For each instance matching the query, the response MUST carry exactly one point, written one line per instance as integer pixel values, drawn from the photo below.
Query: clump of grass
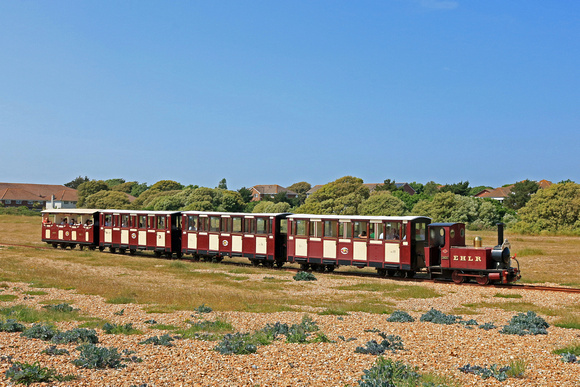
(389, 343)
(61, 308)
(516, 369)
(25, 373)
(25, 314)
(333, 312)
(573, 348)
(54, 351)
(40, 331)
(526, 324)
(304, 276)
(8, 297)
(205, 326)
(164, 340)
(400, 316)
(11, 325)
(502, 295)
(203, 309)
(121, 300)
(76, 335)
(164, 327)
(126, 329)
(437, 317)
(568, 321)
(386, 372)
(236, 344)
(92, 357)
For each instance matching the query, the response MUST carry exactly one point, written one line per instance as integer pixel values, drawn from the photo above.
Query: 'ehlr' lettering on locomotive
(468, 258)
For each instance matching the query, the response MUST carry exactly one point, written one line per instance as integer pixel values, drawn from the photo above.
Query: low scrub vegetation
(526, 324)
(25, 373)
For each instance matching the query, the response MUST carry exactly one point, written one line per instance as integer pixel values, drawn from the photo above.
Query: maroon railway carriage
(71, 227)
(447, 256)
(258, 237)
(391, 244)
(132, 230)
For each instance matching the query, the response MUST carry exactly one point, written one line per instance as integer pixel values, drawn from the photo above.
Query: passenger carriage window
(226, 224)
(115, 220)
(404, 232)
(330, 228)
(214, 223)
(262, 226)
(315, 228)
(250, 226)
(161, 222)
(203, 223)
(360, 229)
(108, 220)
(125, 221)
(237, 224)
(178, 222)
(391, 231)
(345, 230)
(192, 223)
(420, 231)
(142, 221)
(376, 230)
(300, 227)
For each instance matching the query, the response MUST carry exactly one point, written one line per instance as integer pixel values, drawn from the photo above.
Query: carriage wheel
(279, 264)
(320, 268)
(101, 248)
(131, 252)
(391, 273)
(63, 246)
(382, 272)
(113, 250)
(483, 280)
(255, 262)
(410, 274)
(72, 247)
(92, 248)
(269, 264)
(158, 254)
(457, 278)
(330, 268)
(81, 247)
(122, 251)
(304, 266)
(54, 245)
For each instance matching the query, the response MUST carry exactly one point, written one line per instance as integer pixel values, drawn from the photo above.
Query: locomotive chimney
(500, 233)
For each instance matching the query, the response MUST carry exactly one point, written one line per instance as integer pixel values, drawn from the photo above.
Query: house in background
(501, 193)
(261, 191)
(37, 196)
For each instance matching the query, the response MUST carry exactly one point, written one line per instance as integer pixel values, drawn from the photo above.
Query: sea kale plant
(389, 343)
(526, 324)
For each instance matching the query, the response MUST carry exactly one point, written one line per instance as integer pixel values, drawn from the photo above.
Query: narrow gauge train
(393, 245)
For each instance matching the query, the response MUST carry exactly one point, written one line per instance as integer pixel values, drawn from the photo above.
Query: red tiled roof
(37, 192)
(272, 189)
(501, 192)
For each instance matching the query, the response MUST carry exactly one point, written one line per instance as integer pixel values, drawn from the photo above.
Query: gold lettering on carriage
(468, 258)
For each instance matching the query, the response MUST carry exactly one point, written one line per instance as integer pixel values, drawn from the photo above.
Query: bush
(493, 371)
(25, 373)
(93, 357)
(115, 329)
(236, 344)
(64, 308)
(11, 325)
(164, 340)
(390, 342)
(76, 335)
(387, 373)
(438, 317)
(54, 351)
(400, 316)
(526, 324)
(304, 276)
(203, 309)
(39, 331)
(569, 358)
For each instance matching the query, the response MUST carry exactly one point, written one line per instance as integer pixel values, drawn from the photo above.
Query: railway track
(418, 278)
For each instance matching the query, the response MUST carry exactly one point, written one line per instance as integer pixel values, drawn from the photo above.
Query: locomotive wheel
(457, 278)
(483, 280)
(304, 266)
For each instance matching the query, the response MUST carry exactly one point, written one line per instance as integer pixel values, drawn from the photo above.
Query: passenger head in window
(363, 235)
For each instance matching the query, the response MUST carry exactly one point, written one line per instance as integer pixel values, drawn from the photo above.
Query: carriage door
(344, 241)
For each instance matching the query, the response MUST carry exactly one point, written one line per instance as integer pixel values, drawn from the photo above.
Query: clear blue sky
(276, 92)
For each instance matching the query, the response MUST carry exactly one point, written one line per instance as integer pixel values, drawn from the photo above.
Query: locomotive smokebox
(500, 233)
